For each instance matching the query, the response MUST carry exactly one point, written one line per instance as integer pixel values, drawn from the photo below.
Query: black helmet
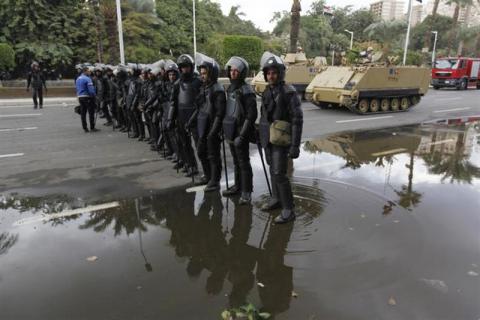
(185, 60)
(171, 66)
(268, 61)
(210, 64)
(238, 63)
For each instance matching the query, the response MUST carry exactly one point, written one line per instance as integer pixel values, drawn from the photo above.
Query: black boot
(272, 204)
(286, 216)
(246, 198)
(203, 180)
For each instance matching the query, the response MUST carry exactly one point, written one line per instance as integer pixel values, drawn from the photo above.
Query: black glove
(294, 152)
(238, 141)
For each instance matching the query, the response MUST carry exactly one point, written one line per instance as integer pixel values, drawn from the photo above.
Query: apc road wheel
(374, 105)
(385, 105)
(395, 104)
(363, 106)
(415, 100)
(404, 103)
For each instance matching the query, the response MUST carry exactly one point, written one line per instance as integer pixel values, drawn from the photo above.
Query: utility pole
(120, 32)
(407, 39)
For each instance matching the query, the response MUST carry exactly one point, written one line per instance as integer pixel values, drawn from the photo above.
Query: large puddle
(388, 228)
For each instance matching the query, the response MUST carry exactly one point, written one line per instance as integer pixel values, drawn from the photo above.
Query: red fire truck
(461, 73)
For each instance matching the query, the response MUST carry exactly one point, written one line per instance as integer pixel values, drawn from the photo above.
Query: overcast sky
(261, 11)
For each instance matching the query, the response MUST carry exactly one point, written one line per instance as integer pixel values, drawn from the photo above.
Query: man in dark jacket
(280, 107)
(185, 91)
(239, 127)
(209, 116)
(36, 80)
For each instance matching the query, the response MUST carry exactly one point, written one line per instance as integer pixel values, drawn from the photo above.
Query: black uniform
(36, 80)
(111, 102)
(132, 102)
(238, 128)
(153, 107)
(169, 134)
(102, 88)
(185, 91)
(280, 102)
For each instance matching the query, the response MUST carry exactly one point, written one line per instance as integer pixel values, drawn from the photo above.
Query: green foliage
(7, 57)
(140, 54)
(387, 33)
(248, 47)
(248, 311)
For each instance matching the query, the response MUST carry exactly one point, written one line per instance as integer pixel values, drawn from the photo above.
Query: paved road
(46, 151)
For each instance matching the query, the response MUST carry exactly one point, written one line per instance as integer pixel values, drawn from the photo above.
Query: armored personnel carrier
(300, 72)
(369, 88)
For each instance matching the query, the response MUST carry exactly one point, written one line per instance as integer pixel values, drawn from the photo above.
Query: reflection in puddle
(381, 214)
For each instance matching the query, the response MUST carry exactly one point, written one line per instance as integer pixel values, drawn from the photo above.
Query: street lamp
(407, 38)
(351, 38)
(120, 32)
(434, 46)
(194, 31)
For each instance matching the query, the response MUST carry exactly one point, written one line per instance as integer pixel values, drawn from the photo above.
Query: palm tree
(295, 25)
(7, 241)
(456, 14)
(385, 32)
(108, 9)
(408, 197)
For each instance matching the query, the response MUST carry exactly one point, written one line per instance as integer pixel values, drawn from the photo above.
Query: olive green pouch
(281, 133)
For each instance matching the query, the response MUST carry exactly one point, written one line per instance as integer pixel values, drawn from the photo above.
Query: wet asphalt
(94, 227)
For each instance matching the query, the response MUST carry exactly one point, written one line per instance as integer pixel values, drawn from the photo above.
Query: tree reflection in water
(7, 241)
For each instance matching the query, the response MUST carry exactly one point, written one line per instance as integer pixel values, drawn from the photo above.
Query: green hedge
(248, 47)
(7, 57)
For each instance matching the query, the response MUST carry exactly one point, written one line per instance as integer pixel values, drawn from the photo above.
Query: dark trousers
(277, 159)
(243, 168)
(105, 106)
(186, 152)
(87, 105)
(208, 151)
(37, 92)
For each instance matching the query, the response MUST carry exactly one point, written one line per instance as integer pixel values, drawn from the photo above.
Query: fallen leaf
(261, 285)
(363, 216)
(392, 301)
(436, 284)
(294, 294)
(92, 258)
(139, 287)
(396, 221)
(473, 273)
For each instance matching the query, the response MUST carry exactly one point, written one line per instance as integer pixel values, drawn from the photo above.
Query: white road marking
(387, 152)
(20, 115)
(30, 107)
(11, 155)
(449, 99)
(451, 110)
(364, 119)
(18, 129)
(67, 213)
(438, 142)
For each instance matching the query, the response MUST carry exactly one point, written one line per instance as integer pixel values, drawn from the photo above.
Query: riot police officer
(152, 105)
(172, 75)
(183, 98)
(280, 113)
(132, 100)
(209, 116)
(101, 86)
(238, 126)
(36, 80)
(111, 102)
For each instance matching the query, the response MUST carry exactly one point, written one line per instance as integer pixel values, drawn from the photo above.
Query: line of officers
(186, 113)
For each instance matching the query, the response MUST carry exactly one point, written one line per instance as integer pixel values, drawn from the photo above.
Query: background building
(468, 14)
(388, 9)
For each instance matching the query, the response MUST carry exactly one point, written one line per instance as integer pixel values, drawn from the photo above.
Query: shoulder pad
(289, 89)
(247, 89)
(217, 87)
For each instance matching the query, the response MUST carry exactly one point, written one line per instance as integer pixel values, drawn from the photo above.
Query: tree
(295, 25)
(386, 32)
(7, 57)
(454, 33)
(108, 9)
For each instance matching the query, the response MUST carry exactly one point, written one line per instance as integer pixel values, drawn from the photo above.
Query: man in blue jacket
(86, 97)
